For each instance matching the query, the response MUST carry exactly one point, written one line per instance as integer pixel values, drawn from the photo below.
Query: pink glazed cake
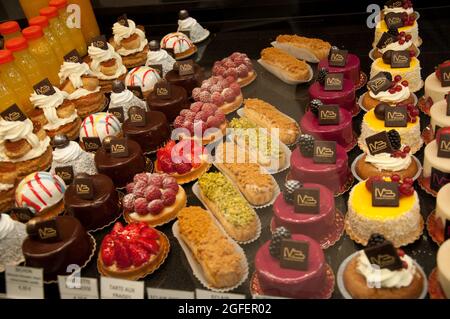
(345, 98)
(351, 69)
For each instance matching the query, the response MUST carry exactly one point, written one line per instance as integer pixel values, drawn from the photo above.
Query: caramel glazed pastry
(25, 145)
(83, 88)
(130, 42)
(308, 49)
(56, 114)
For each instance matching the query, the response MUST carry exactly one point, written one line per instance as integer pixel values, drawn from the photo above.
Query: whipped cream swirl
(74, 72)
(196, 31)
(160, 57)
(385, 162)
(126, 99)
(16, 130)
(122, 32)
(99, 55)
(386, 96)
(6, 226)
(68, 153)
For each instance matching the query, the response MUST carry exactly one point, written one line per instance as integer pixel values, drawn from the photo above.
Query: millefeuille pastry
(230, 208)
(189, 25)
(222, 264)
(180, 45)
(267, 116)
(129, 41)
(257, 186)
(285, 66)
(308, 49)
(8, 176)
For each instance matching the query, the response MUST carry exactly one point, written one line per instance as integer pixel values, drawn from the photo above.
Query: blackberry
(323, 72)
(395, 139)
(393, 31)
(314, 106)
(277, 237)
(290, 186)
(388, 76)
(375, 240)
(306, 145)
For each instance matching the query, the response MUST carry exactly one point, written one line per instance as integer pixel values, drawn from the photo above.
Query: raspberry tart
(185, 160)
(132, 252)
(237, 65)
(223, 92)
(154, 199)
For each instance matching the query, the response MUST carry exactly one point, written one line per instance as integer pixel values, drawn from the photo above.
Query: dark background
(249, 26)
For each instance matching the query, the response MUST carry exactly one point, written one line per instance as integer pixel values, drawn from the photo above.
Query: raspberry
(205, 97)
(128, 202)
(217, 63)
(230, 72)
(140, 206)
(235, 55)
(228, 95)
(190, 115)
(183, 112)
(129, 187)
(214, 79)
(182, 168)
(156, 180)
(206, 85)
(239, 60)
(155, 207)
(242, 71)
(220, 70)
(138, 189)
(196, 106)
(220, 116)
(201, 116)
(217, 98)
(213, 121)
(178, 121)
(140, 177)
(230, 79)
(209, 108)
(200, 126)
(170, 183)
(152, 192)
(248, 64)
(169, 197)
(165, 164)
(236, 88)
(216, 88)
(196, 93)
(229, 64)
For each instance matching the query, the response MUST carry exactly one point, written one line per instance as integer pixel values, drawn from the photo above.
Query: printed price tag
(206, 294)
(267, 297)
(24, 282)
(121, 289)
(74, 287)
(157, 293)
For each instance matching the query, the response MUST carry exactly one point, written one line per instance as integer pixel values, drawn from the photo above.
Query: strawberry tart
(237, 65)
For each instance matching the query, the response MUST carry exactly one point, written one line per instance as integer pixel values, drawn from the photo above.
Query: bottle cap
(9, 27)
(49, 12)
(6, 56)
(16, 44)
(33, 32)
(58, 4)
(39, 20)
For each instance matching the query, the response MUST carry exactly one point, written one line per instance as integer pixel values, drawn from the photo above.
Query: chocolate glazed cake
(170, 106)
(189, 82)
(102, 209)
(152, 135)
(120, 169)
(72, 247)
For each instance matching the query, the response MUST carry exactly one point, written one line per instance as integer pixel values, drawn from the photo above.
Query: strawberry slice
(149, 233)
(149, 245)
(139, 255)
(117, 229)
(108, 251)
(122, 256)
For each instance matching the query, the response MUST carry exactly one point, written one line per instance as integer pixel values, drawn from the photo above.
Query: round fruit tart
(237, 65)
(132, 252)
(223, 92)
(154, 199)
(185, 160)
(203, 122)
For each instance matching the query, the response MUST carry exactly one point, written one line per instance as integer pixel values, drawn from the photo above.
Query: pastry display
(154, 199)
(374, 122)
(70, 154)
(55, 112)
(8, 178)
(56, 244)
(25, 145)
(262, 147)
(143, 77)
(191, 27)
(150, 132)
(222, 264)
(267, 116)
(186, 160)
(303, 219)
(439, 117)
(443, 274)
(159, 57)
(385, 89)
(122, 98)
(435, 91)
(442, 213)
(188, 75)
(98, 126)
(309, 49)
(120, 159)
(202, 122)
(335, 176)
(223, 92)
(285, 66)
(276, 279)
(132, 252)
(392, 40)
(179, 45)
(343, 94)
(402, 224)
(12, 235)
(237, 65)
(129, 41)
(95, 211)
(169, 100)
(329, 124)
(42, 193)
(366, 278)
(83, 87)
(340, 61)
(233, 212)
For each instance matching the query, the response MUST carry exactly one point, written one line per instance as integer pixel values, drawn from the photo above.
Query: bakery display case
(294, 149)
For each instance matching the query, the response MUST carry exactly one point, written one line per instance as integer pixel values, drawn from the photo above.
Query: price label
(206, 294)
(112, 288)
(157, 293)
(267, 297)
(74, 287)
(24, 282)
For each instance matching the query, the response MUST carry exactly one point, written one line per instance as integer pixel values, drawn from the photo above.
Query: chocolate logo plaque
(329, 114)
(334, 82)
(13, 113)
(91, 144)
(45, 231)
(324, 152)
(385, 40)
(118, 113)
(137, 116)
(445, 75)
(119, 147)
(379, 143)
(84, 187)
(385, 194)
(158, 68)
(44, 88)
(338, 57)
(396, 117)
(136, 90)
(393, 20)
(123, 20)
(307, 200)
(394, 3)
(384, 256)
(185, 67)
(379, 83)
(400, 59)
(444, 146)
(73, 57)
(100, 42)
(163, 90)
(294, 254)
(66, 173)
(438, 179)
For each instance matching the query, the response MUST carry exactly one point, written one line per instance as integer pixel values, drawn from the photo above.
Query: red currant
(392, 91)
(395, 178)
(408, 181)
(407, 149)
(398, 88)
(400, 253)
(412, 54)
(397, 78)
(408, 37)
(401, 41)
(405, 83)
(402, 34)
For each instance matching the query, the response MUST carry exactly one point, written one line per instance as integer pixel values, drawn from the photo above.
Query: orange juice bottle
(75, 33)
(31, 7)
(49, 35)
(89, 25)
(11, 75)
(41, 50)
(25, 61)
(7, 97)
(9, 30)
(58, 28)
